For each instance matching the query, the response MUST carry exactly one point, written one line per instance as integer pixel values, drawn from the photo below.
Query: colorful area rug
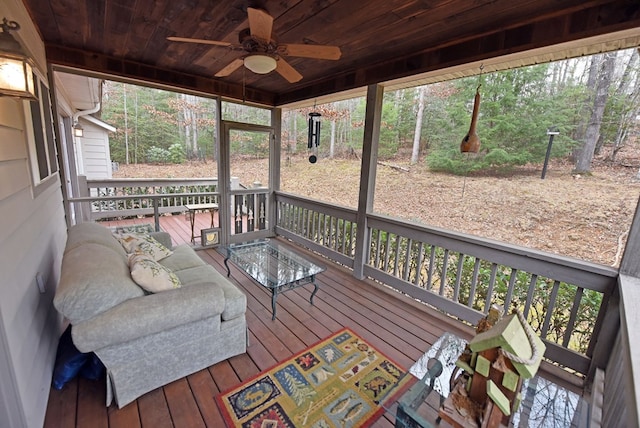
(339, 382)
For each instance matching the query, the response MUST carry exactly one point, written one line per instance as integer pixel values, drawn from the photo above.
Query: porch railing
(127, 198)
(464, 275)
(130, 197)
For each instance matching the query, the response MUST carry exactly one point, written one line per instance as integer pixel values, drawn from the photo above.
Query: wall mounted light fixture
(16, 68)
(78, 131)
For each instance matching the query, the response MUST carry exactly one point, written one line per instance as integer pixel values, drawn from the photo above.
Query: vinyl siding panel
(32, 238)
(95, 152)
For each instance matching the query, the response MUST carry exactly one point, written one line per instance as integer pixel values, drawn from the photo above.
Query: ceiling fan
(263, 53)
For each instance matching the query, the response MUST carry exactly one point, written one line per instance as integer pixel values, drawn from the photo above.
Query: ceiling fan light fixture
(260, 64)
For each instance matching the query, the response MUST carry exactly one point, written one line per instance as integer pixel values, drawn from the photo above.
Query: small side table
(543, 401)
(193, 208)
(434, 370)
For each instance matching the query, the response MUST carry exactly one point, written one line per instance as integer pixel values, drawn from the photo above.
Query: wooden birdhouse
(494, 365)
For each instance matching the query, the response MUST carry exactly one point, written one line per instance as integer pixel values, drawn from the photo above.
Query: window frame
(41, 138)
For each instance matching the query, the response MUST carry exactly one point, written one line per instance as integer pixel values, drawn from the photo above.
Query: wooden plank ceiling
(380, 40)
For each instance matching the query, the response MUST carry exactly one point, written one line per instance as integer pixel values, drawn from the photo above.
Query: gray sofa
(146, 340)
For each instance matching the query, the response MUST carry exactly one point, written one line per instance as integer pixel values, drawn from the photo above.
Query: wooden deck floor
(397, 326)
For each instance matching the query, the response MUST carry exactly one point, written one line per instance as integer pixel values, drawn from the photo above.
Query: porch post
(367, 175)
(224, 185)
(58, 144)
(630, 264)
(274, 168)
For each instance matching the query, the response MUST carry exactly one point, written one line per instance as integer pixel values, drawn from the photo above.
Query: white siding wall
(32, 237)
(96, 156)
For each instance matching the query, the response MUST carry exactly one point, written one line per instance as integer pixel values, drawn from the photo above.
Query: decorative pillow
(151, 275)
(142, 243)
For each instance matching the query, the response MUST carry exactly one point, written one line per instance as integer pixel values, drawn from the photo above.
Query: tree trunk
(135, 130)
(126, 128)
(585, 109)
(418, 130)
(583, 161)
(630, 112)
(332, 144)
(294, 139)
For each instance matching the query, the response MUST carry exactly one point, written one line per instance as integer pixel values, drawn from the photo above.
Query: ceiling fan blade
(285, 70)
(230, 68)
(202, 41)
(311, 51)
(260, 23)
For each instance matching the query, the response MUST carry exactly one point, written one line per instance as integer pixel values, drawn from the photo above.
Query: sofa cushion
(151, 275)
(149, 315)
(235, 302)
(143, 243)
(183, 257)
(93, 279)
(93, 233)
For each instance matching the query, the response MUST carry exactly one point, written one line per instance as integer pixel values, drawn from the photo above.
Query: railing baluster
(432, 262)
(492, 282)
(550, 308)
(474, 283)
(456, 289)
(419, 261)
(407, 258)
(332, 241)
(378, 239)
(300, 218)
(512, 284)
(291, 218)
(396, 259)
(387, 252)
(572, 319)
(532, 287)
(314, 221)
(285, 215)
(443, 276)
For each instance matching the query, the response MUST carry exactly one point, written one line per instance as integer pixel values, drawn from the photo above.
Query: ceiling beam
(573, 25)
(129, 70)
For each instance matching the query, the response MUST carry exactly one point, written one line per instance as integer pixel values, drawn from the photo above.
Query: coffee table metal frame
(273, 266)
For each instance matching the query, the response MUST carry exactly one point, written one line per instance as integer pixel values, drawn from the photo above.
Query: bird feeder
(471, 142)
(488, 392)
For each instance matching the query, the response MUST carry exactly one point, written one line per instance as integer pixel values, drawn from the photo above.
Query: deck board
(396, 325)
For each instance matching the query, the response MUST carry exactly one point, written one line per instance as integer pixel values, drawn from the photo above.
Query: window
(41, 138)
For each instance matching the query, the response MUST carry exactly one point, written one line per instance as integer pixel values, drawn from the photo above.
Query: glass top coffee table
(544, 403)
(273, 266)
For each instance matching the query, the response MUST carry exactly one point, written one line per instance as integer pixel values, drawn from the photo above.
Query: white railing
(131, 197)
(464, 275)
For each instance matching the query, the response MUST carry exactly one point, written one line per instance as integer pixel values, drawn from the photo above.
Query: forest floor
(586, 217)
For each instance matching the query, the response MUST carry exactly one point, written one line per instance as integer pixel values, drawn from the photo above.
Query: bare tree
(629, 86)
(604, 70)
(418, 130)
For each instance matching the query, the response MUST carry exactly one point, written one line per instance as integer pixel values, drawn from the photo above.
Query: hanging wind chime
(314, 136)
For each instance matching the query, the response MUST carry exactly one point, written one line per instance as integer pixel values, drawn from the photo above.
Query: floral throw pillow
(142, 243)
(151, 275)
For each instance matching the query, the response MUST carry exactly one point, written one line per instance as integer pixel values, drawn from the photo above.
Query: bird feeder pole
(551, 132)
